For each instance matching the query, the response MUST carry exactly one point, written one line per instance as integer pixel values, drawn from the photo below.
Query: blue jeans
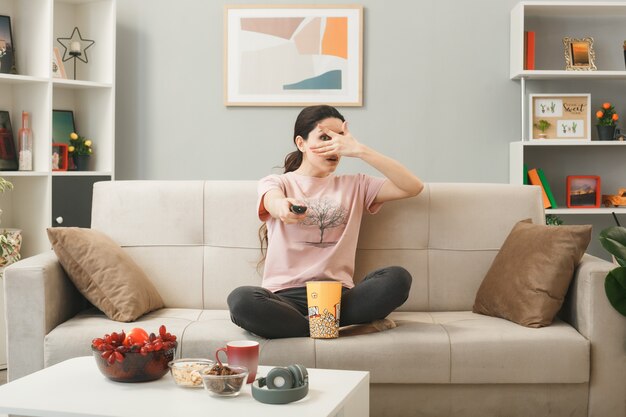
(285, 313)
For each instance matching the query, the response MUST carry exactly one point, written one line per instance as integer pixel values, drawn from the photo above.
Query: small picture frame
(58, 69)
(579, 54)
(7, 49)
(559, 116)
(583, 191)
(59, 157)
(62, 125)
(8, 157)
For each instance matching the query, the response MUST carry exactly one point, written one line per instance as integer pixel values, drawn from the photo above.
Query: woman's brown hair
(306, 121)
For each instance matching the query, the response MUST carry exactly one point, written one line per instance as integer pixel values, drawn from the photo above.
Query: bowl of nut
(136, 356)
(187, 371)
(223, 380)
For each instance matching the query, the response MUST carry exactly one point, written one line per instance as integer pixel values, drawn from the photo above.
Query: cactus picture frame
(568, 116)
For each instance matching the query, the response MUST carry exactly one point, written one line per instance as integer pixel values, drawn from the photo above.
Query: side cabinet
(71, 200)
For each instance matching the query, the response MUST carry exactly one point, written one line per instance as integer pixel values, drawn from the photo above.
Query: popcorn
(324, 326)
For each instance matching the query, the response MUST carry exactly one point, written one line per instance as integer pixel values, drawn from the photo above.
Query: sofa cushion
(416, 351)
(199, 332)
(73, 337)
(214, 329)
(493, 350)
(436, 347)
(104, 273)
(461, 348)
(528, 279)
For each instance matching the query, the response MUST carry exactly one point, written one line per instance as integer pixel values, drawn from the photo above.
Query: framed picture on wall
(583, 191)
(7, 49)
(8, 157)
(562, 116)
(293, 55)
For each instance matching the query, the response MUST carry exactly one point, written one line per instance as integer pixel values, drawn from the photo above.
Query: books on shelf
(529, 50)
(536, 176)
(546, 187)
(525, 175)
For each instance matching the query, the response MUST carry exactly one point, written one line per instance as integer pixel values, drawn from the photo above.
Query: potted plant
(553, 220)
(613, 239)
(543, 125)
(607, 117)
(80, 151)
(10, 239)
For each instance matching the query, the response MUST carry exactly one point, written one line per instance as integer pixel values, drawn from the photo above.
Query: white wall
(437, 94)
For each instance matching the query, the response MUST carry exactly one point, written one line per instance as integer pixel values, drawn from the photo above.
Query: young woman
(320, 244)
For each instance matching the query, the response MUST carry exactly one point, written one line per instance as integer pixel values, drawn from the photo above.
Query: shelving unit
(552, 21)
(41, 196)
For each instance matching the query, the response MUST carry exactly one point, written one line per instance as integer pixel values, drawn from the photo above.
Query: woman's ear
(300, 143)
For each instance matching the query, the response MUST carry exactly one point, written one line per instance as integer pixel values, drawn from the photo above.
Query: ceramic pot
(81, 162)
(606, 132)
(14, 237)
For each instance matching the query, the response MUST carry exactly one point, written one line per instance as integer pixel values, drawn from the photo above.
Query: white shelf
(574, 9)
(36, 25)
(574, 211)
(21, 79)
(564, 75)
(551, 21)
(570, 142)
(82, 173)
(560, 158)
(79, 84)
(9, 174)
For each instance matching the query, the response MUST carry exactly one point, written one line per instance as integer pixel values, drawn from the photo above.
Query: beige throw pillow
(529, 277)
(104, 273)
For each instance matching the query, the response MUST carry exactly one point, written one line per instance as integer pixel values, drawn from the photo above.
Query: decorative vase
(81, 162)
(10, 245)
(606, 132)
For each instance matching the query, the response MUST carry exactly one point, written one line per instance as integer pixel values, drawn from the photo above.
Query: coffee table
(76, 387)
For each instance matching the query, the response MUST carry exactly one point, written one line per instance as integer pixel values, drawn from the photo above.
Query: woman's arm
(402, 182)
(278, 206)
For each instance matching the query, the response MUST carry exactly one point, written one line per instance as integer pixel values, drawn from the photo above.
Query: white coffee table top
(76, 387)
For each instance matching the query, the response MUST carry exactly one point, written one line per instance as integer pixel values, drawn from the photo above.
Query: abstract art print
(293, 55)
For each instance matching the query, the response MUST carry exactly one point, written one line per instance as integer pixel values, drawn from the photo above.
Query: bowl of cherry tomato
(135, 356)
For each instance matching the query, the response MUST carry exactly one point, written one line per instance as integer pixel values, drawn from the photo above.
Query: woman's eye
(325, 138)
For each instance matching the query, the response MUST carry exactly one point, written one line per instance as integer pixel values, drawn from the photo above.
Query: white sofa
(197, 240)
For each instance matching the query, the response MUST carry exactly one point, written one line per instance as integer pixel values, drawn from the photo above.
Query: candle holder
(74, 49)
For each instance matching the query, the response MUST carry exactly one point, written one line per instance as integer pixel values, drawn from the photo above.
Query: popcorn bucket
(324, 300)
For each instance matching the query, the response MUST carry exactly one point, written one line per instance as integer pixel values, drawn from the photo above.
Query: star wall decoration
(75, 40)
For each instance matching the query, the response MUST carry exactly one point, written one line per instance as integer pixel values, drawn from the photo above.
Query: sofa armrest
(38, 297)
(587, 308)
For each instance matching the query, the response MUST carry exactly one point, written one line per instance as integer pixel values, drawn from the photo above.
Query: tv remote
(298, 209)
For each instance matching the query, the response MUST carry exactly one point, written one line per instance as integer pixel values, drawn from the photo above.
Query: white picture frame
(293, 55)
(569, 116)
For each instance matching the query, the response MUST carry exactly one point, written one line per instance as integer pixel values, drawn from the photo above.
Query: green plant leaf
(613, 239)
(615, 288)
